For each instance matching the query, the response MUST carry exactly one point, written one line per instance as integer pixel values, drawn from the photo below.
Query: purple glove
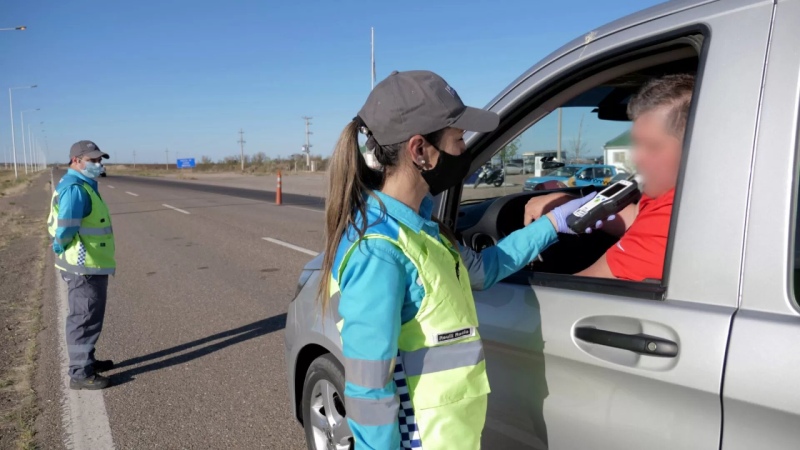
(561, 213)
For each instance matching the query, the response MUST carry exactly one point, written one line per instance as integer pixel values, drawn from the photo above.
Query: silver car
(514, 169)
(704, 358)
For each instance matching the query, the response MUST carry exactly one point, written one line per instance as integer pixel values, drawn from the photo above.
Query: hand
(542, 204)
(559, 215)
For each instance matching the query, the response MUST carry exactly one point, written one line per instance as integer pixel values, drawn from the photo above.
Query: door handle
(637, 343)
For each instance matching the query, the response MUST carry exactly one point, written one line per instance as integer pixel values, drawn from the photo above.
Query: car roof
(643, 16)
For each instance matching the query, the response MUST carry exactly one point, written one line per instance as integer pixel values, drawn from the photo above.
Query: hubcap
(330, 428)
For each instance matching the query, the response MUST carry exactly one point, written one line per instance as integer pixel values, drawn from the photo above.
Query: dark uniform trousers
(87, 307)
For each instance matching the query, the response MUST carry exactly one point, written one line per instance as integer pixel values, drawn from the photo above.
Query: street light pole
(11, 110)
(30, 149)
(24, 148)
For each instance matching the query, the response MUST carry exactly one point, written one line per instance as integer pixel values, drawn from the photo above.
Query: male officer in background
(83, 242)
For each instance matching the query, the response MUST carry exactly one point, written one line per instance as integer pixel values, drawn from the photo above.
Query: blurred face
(79, 163)
(656, 152)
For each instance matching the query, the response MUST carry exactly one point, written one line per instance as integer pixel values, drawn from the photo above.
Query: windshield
(564, 172)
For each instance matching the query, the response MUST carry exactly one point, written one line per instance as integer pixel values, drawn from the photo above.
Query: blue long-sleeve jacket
(379, 292)
(73, 205)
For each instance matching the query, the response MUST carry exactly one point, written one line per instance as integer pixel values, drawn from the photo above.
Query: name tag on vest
(456, 335)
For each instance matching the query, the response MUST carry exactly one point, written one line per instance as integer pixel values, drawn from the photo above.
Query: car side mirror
(547, 165)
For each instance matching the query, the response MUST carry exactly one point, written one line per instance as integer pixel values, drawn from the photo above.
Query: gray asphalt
(196, 315)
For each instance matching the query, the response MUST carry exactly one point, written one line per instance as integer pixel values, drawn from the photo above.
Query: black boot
(92, 383)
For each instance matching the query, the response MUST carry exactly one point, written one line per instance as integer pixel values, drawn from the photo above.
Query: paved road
(196, 313)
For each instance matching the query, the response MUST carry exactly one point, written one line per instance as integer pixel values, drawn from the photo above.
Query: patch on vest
(455, 335)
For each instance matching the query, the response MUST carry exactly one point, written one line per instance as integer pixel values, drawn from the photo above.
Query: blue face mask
(92, 170)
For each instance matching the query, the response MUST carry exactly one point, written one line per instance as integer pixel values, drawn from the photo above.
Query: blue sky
(187, 75)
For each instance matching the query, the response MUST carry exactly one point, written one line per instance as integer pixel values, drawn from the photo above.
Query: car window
(589, 133)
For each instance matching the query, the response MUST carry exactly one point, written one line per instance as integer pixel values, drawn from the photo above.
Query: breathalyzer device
(607, 202)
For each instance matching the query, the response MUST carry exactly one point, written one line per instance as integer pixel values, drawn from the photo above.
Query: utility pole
(241, 146)
(558, 149)
(167, 161)
(134, 159)
(307, 147)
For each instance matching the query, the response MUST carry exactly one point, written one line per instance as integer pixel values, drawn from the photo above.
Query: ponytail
(349, 180)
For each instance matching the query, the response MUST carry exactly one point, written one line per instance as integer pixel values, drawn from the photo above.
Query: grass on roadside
(28, 411)
(25, 316)
(9, 184)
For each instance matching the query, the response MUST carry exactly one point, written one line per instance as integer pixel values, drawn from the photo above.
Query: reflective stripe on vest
(437, 359)
(89, 231)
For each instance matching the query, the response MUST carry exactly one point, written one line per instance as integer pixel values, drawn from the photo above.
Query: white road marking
(131, 193)
(306, 209)
(83, 413)
(111, 187)
(176, 209)
(291, 246)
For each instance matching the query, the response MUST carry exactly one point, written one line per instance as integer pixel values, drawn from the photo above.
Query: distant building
(617, 152)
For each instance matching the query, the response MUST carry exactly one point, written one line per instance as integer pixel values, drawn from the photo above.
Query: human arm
(72, 205)
(372, 292)
(510, 254)
(599, 269)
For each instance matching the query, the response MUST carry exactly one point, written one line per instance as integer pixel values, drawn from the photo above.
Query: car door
(761, 395)
(554, 383)
(583, 177)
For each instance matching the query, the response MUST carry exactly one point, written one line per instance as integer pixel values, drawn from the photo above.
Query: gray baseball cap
(86, 148)
(419, 102)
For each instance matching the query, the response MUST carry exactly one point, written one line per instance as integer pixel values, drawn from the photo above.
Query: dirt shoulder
(23, 240)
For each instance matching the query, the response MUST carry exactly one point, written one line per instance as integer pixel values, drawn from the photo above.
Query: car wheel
(324, 417)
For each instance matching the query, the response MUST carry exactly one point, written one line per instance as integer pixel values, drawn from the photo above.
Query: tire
(325, 372)
(499, 183)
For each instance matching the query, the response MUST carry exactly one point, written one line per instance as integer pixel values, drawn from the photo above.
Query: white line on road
(176, 209)
(111, 187)
(292, 246)
(83, 413)
(131, 193)
(307, 209)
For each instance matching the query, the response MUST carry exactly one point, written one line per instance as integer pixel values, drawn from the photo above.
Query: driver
(659, 113)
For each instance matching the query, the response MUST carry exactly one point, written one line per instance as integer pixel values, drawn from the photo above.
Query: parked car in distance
(576, 175)
(513, 168)
(102, 170)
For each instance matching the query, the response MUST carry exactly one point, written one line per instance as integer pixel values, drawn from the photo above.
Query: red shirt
(640, 253)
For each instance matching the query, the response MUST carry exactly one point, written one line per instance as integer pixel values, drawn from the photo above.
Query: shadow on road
(231, 337)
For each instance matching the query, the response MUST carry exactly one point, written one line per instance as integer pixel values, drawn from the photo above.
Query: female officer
(400, 286)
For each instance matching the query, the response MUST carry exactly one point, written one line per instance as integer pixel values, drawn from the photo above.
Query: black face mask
(449, 171)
